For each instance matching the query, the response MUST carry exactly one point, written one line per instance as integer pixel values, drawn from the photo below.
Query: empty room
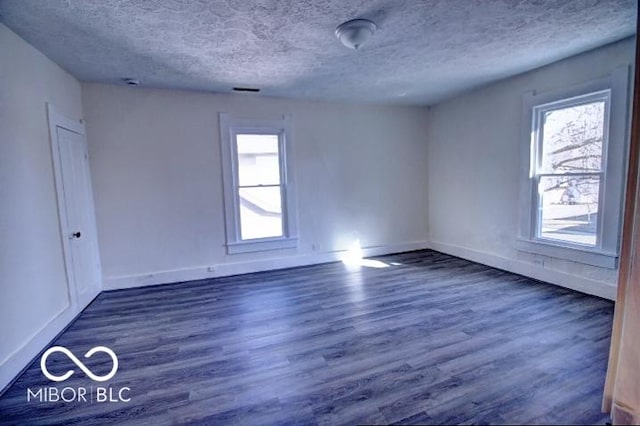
(268, 212)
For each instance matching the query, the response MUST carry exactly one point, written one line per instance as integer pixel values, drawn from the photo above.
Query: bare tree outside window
(570, 172)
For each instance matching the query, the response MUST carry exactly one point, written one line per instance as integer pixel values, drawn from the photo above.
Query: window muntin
(570, 139)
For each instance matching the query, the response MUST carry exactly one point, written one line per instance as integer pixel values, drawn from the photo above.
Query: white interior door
(76, 211)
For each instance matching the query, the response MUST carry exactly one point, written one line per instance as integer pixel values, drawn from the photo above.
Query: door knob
(76, 234)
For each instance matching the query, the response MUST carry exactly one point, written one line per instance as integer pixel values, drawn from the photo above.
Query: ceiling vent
(246, 89)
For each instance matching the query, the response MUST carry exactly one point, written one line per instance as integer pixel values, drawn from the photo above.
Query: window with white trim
(575, 158)
(569, 147)
(259, 190)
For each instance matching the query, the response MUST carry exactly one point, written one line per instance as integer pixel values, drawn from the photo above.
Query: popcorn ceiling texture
(423, 51)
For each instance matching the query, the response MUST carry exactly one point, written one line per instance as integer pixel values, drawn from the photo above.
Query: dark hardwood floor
(428, 339)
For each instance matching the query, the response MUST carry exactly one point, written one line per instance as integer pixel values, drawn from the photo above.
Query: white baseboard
(584, 285)
(22, 357)
(17, 361)
(11, 367)
(236, 268)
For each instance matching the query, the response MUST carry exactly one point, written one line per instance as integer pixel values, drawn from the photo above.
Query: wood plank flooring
(428, 339)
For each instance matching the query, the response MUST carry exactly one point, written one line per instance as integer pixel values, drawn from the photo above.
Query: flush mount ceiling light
(355, 33)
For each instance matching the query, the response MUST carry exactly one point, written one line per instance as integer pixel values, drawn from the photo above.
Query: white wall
(474, 143)
(367, 173)
(155, 158)
(33, 288)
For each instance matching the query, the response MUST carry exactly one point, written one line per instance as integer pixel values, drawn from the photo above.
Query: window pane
(260, 212)
(258, 162)
(569, 208)
(572, 139)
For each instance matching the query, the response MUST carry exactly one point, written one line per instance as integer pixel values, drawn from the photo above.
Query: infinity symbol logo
(76, 361)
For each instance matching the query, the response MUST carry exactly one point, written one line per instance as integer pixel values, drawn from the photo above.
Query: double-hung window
(570, 148)
(259, 190)
(575, 146)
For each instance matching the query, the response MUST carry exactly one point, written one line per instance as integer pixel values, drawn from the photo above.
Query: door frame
(19, 360)
(621, 397)
(58, 120)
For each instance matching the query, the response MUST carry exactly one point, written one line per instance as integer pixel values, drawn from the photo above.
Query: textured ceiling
(422, 52)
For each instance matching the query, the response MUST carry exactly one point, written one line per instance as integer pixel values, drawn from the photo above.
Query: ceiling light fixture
(355, 33)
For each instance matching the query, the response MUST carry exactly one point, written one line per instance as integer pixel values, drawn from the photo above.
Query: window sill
(593, 257)
(261, 245)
